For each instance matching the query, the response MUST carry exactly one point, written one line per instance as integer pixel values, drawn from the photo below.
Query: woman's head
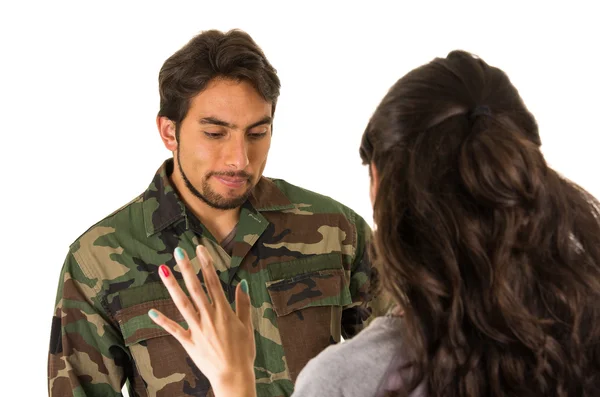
(493, 256)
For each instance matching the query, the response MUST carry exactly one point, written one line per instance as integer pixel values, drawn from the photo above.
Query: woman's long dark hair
(494, 257)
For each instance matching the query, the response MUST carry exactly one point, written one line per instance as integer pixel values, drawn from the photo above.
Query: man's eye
(257, 135)
(213, 135)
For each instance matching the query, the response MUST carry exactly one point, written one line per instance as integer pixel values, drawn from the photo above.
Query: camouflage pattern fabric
(303, 255)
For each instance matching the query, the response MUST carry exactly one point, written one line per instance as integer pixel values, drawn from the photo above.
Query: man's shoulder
(125, 221)
(310, 201)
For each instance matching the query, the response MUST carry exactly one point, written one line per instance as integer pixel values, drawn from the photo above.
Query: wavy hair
(493, 256)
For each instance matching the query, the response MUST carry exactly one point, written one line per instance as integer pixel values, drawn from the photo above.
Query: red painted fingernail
(164, 270)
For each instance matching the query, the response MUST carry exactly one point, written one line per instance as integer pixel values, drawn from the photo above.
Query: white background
(78, 100)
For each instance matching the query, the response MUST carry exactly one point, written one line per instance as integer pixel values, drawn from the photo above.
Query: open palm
(218, 340)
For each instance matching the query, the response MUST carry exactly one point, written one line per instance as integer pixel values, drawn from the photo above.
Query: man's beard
(212, 198)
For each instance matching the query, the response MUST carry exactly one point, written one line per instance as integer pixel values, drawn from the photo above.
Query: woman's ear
(374, 182)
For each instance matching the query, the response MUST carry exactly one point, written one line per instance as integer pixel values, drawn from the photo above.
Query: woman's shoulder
(356, 366)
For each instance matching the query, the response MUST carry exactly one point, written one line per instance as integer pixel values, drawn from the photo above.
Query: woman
(493, 257)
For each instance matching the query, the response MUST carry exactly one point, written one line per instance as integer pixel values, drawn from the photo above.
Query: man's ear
(167, 131)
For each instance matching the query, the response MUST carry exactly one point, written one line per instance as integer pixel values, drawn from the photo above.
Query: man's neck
(218, 222)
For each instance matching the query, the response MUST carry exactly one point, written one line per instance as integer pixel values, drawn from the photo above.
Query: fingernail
(153, 313)
(200, 252)
(244, 286)
(179, 254)
(164, 270)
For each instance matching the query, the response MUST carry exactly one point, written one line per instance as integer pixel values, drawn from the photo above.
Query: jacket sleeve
(367, 300)
(87, 354)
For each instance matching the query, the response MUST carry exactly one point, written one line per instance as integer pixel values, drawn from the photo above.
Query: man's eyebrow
(264, 120)
(216, 121)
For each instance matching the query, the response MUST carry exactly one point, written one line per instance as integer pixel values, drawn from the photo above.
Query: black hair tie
(481, 110)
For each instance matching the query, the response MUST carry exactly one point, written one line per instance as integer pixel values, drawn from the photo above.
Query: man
(303, 255)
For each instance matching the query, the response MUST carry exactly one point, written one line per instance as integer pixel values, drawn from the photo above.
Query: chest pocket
(308, 296)
(161, 365)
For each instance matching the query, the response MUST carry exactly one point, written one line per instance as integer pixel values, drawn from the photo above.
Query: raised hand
(218, 340)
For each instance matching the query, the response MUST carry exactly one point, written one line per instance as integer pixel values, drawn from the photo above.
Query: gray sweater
(357, 367)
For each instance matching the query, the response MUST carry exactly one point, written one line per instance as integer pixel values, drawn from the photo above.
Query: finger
(187, 310)
(169, 325)
(192, 282)
(242, 304)
(211, 279)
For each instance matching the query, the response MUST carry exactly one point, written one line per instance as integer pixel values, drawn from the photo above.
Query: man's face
(223, 143)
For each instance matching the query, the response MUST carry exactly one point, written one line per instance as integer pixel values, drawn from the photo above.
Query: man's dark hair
(212, 55)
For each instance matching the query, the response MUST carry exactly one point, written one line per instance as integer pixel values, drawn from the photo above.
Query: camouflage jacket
(303, 255)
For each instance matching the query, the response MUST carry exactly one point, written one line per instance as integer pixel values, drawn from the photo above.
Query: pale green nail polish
(179, 253)
(153, 313)
(244, 286)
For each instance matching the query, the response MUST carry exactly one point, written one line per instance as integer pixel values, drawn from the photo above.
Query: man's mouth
(231, 181)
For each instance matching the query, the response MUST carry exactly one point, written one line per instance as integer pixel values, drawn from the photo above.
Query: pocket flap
(133, 319)
(319, 288)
